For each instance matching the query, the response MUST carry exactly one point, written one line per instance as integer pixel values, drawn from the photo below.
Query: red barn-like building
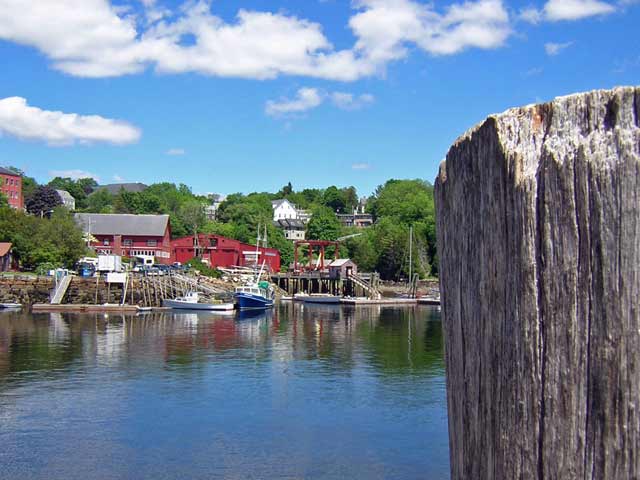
(144, 236)
(149, 237)
(11, 187)
(220, 251)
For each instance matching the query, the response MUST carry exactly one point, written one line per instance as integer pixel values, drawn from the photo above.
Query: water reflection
(347, 392)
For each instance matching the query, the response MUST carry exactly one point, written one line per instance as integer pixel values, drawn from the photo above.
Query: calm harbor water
(318, 392)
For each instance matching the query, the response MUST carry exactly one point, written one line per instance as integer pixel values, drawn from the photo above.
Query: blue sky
(245, 96)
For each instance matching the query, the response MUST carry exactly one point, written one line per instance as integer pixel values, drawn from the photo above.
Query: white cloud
(361, 166)
(175, 151)
(553, 49)
(531, 15)
(306, 99)
(309, 98)
(93, 38)
(73, 174)
(117, 178)
(348, 101)
(532, 72)
(385, 27)
(25, 122)
(557, 10)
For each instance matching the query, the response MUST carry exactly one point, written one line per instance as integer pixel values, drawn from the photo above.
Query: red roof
(4, 248)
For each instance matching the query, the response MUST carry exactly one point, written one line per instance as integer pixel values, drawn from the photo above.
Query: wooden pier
(356, 286)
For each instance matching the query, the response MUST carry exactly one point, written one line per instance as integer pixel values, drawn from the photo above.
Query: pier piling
(538, 216)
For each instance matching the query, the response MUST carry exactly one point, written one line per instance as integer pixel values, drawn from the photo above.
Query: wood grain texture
(538, 215)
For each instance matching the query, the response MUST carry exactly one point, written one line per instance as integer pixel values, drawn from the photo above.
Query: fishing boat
(256, 294)
(321, 298)
(191, 301)
(12, 306)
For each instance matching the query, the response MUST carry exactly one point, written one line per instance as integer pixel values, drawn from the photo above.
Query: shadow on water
(302, 391)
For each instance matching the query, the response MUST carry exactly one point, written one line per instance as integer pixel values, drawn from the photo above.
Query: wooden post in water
(538, 216)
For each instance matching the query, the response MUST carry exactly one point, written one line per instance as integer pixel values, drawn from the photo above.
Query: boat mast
(410, 254)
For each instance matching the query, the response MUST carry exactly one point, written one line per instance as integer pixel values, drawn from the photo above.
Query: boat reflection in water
(299, 391)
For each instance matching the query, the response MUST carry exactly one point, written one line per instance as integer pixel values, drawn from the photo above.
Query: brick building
(11, 187)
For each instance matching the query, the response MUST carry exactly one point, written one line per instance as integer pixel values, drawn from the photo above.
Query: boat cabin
(250, 290)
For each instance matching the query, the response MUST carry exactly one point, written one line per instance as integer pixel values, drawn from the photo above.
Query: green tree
(192, 215)
(87, 184)
(100, 201)
(408, 201)
(324, 225)
(334, 199)
(74, 188)
(391, 240)
(43, 201)
(36, 240)
(285, 191)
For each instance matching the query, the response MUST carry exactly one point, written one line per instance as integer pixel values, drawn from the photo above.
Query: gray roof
(114, 188)
(277, 203)
(6, 171)
(289, 223)
(123, 224)
(65, 196)
(340, 262)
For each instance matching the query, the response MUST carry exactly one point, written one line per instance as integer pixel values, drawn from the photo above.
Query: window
(105, 242)
(152, 243)
(127, 242)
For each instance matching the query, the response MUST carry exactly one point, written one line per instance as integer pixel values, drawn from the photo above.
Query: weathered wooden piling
(538, 215)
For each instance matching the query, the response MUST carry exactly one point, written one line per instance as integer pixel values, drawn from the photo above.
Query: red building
(11, 187)
(147, 237)
(220, 251)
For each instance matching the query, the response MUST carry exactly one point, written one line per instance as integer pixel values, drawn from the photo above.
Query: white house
(283, 209)
(67, 199)
(211, 211)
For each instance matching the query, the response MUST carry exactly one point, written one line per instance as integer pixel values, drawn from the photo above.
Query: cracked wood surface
(538, 215)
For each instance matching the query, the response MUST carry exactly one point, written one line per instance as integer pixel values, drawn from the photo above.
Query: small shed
(6, 258)
(342, 268)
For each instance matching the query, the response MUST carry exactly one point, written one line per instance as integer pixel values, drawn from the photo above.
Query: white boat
(10, 305)
(321, 298)
(191, 302)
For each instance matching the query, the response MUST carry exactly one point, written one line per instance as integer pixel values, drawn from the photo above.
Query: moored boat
(321, 298)
(254, 296)
(191, 301)
(10, 305)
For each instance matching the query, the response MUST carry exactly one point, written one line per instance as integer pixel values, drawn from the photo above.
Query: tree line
(396, 207)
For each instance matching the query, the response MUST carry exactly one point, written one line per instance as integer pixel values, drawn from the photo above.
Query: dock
(88, 308)
(379, 301)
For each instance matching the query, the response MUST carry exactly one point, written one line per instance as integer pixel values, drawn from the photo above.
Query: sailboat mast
(410, 254)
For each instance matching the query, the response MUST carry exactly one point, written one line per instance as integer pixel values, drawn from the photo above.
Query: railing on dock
(62, 284)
